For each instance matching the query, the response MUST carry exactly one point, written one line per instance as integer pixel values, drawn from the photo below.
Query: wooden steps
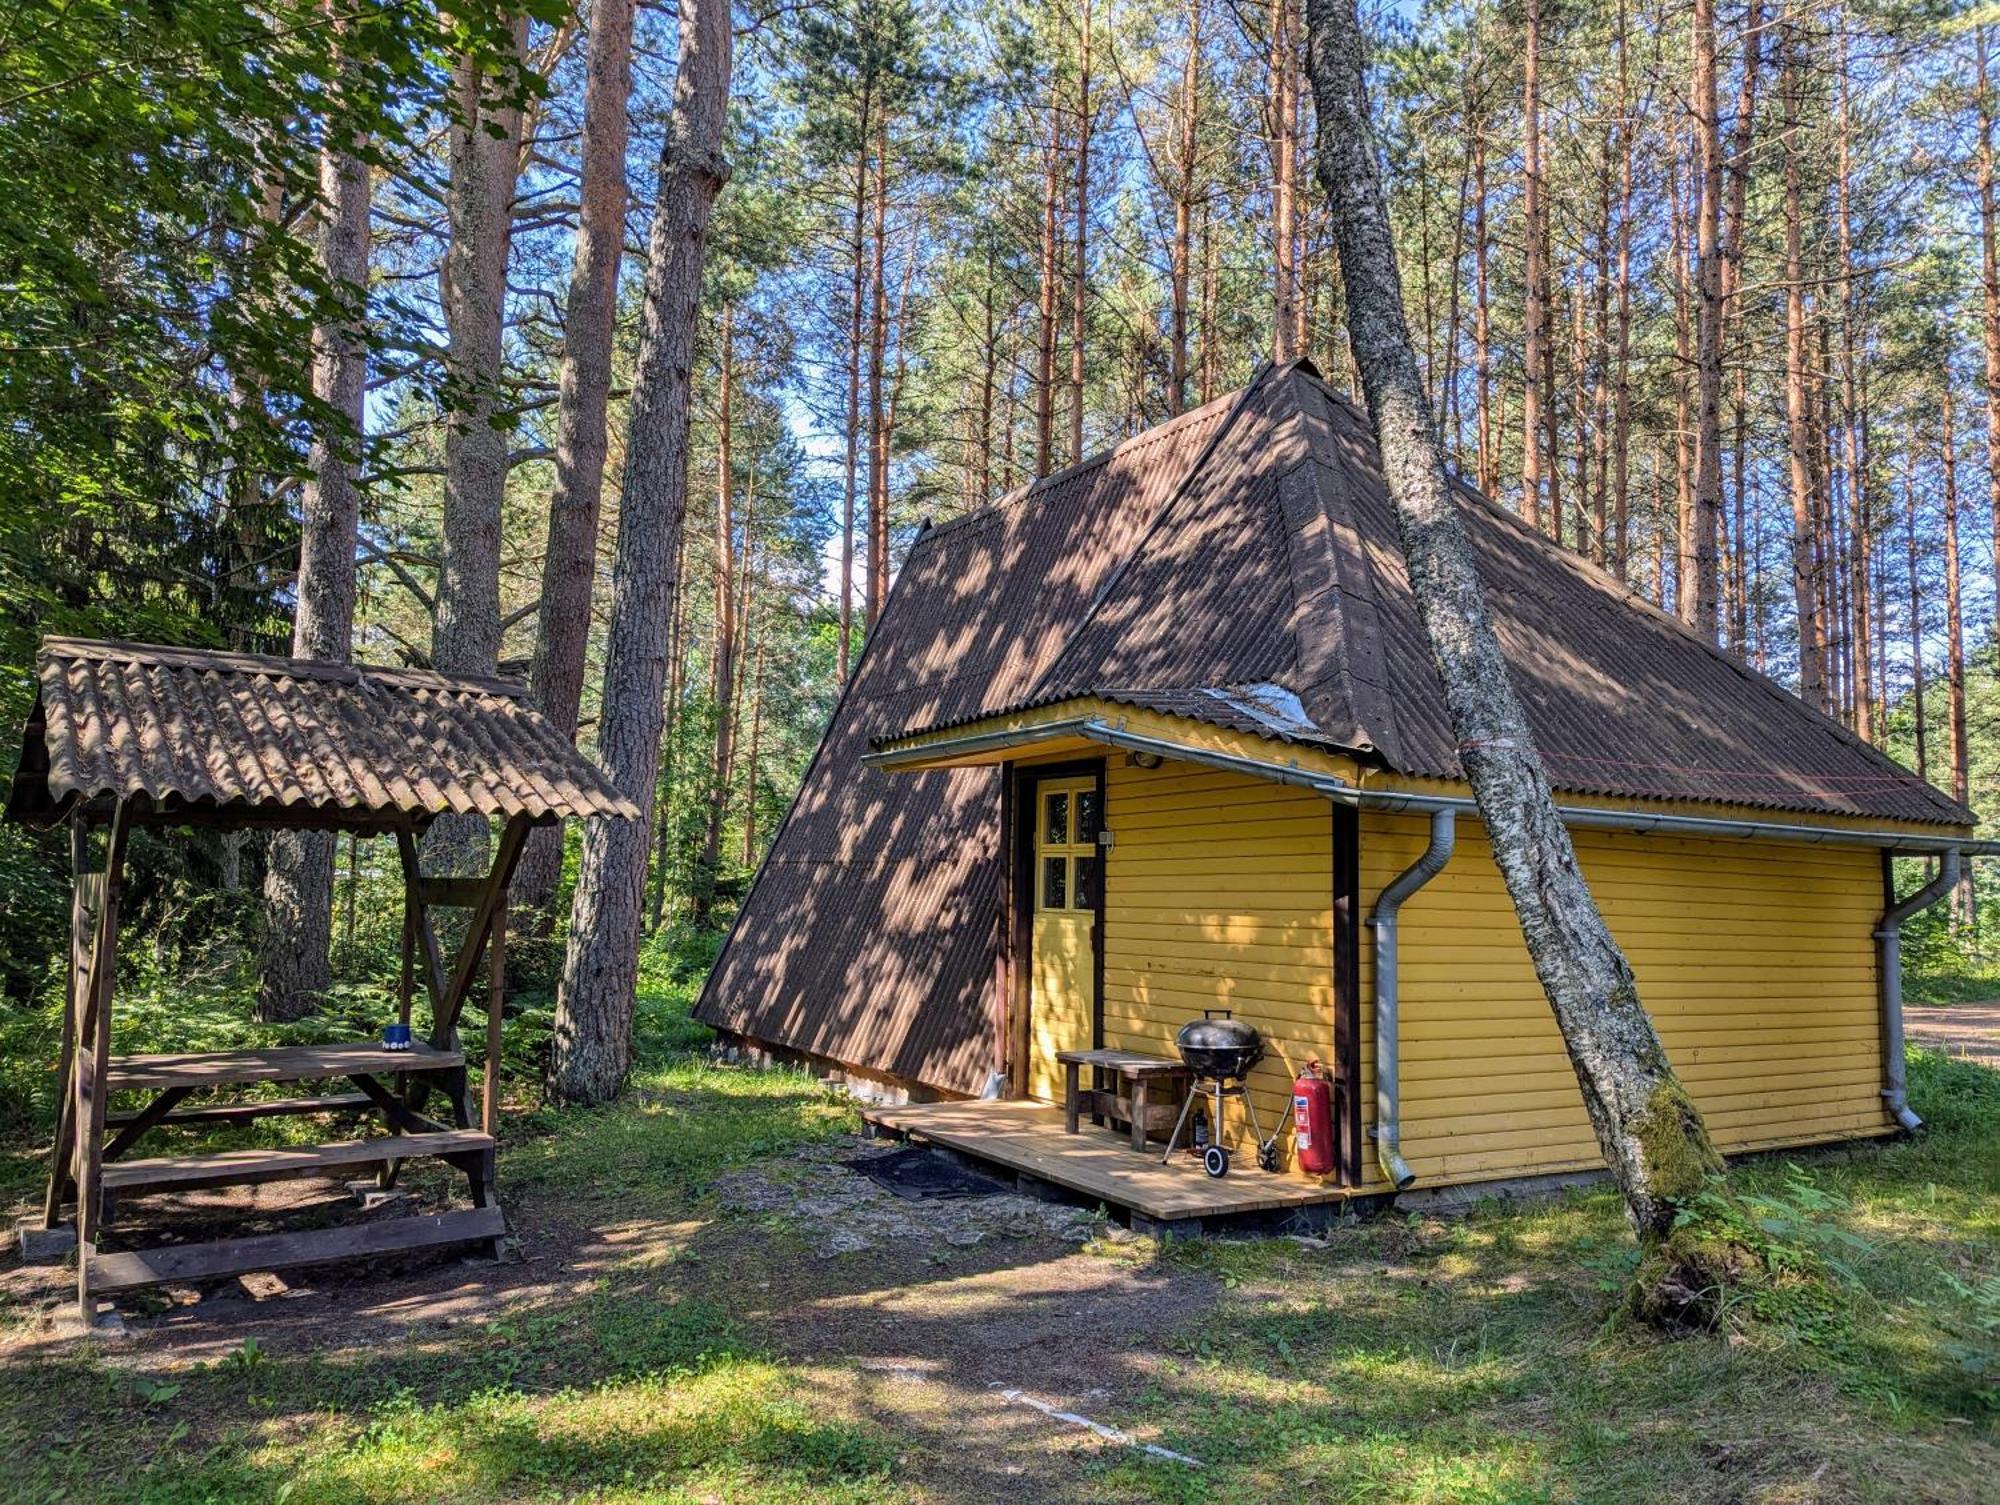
(256, 1108)
(109, 1274)
(242, 1167)
(285, 1063)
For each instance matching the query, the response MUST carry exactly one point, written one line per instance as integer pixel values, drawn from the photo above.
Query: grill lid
(1216, 1030)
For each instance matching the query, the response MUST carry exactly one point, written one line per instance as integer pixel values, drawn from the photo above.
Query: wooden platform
(1028, 1138)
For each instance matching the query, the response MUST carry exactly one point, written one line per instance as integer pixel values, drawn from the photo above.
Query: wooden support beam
(496, 992)
(62, 1154)
(93, 1053)
(146, 1118)
(451, 893)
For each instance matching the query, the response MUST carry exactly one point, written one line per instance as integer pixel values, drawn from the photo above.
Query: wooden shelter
(1161, 733)
(125, 735)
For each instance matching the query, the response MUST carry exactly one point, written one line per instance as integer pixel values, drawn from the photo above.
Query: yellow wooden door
(1062, 971)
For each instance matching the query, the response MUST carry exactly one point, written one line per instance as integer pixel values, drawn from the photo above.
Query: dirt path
(921, 1316)
(1965, 1029)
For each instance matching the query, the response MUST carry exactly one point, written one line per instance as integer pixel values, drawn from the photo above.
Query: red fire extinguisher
(1312, 1120)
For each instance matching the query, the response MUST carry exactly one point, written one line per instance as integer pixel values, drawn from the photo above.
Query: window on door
(1066, 858)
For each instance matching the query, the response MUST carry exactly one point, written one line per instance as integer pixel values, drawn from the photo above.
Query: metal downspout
(1889, 969)
(1388, 1088)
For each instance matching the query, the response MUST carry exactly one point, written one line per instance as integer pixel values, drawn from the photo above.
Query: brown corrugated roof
(1280, 563)
(871, 932)
(1240, 567)
(239, 736)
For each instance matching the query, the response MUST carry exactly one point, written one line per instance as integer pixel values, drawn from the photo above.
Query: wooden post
(62, 1154)
(93, 1057)
(496, 955)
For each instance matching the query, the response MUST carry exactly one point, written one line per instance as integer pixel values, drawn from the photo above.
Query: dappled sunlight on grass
(663, 1345)
(679, 1127)
(1423, 1358)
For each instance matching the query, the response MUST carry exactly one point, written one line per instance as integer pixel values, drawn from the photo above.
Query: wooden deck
(1028, 1138)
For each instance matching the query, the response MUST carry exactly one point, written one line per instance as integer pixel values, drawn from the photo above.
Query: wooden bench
(1128, 1069)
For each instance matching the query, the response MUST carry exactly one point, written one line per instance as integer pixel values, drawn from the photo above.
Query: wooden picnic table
(1130, 1067)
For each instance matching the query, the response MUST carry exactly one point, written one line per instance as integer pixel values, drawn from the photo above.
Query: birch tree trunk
(592, 1049)
(1650, 1132)
(485, 163)
(298, 881)
(562, 624)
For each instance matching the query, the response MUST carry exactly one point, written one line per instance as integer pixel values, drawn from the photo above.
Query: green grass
(1412, 1358)
(1958, 984)
(1471, 1359)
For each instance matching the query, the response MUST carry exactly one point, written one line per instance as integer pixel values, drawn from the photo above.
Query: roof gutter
(1590, 817)
(1889, 976)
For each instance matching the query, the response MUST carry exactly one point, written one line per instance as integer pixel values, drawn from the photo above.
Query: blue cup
(396, 1036)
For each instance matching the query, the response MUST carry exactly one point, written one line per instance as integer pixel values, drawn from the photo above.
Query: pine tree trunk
(1732, 309)
(485, 163)
(1482, 321)
(1534, 344)
(989, 366)
(1798, 407)
(1621, 394)
(756, 751)
(1600, 397)
(1853, 458)
(1080, 270)
(583, 393)
(1650, 1132)
(663, 811)
(591, 1051)
(1989, 278)
(298, 880)
(722, 670)
(857, 244)
(1684, 526)
(1280, 123)
(1699, 595)
(1919, 728)
(1954, 626)
(1180, 261)
(878, 422)
(1045, 328)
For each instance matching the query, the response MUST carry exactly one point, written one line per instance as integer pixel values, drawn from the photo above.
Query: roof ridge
(273, 666)
(1182, 488)
(1351, 587)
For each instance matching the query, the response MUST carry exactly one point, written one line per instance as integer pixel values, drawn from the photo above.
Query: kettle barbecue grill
(1221, 1052)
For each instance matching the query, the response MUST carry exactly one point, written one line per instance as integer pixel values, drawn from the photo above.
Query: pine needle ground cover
(662, 1341)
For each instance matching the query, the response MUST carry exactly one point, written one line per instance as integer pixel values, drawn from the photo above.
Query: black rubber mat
(918, 1173)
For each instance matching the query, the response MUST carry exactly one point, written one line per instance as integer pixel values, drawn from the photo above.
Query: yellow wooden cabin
(1160, 734)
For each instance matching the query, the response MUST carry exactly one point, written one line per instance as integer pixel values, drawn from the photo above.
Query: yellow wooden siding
(1755, 960)
(1219, 895)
